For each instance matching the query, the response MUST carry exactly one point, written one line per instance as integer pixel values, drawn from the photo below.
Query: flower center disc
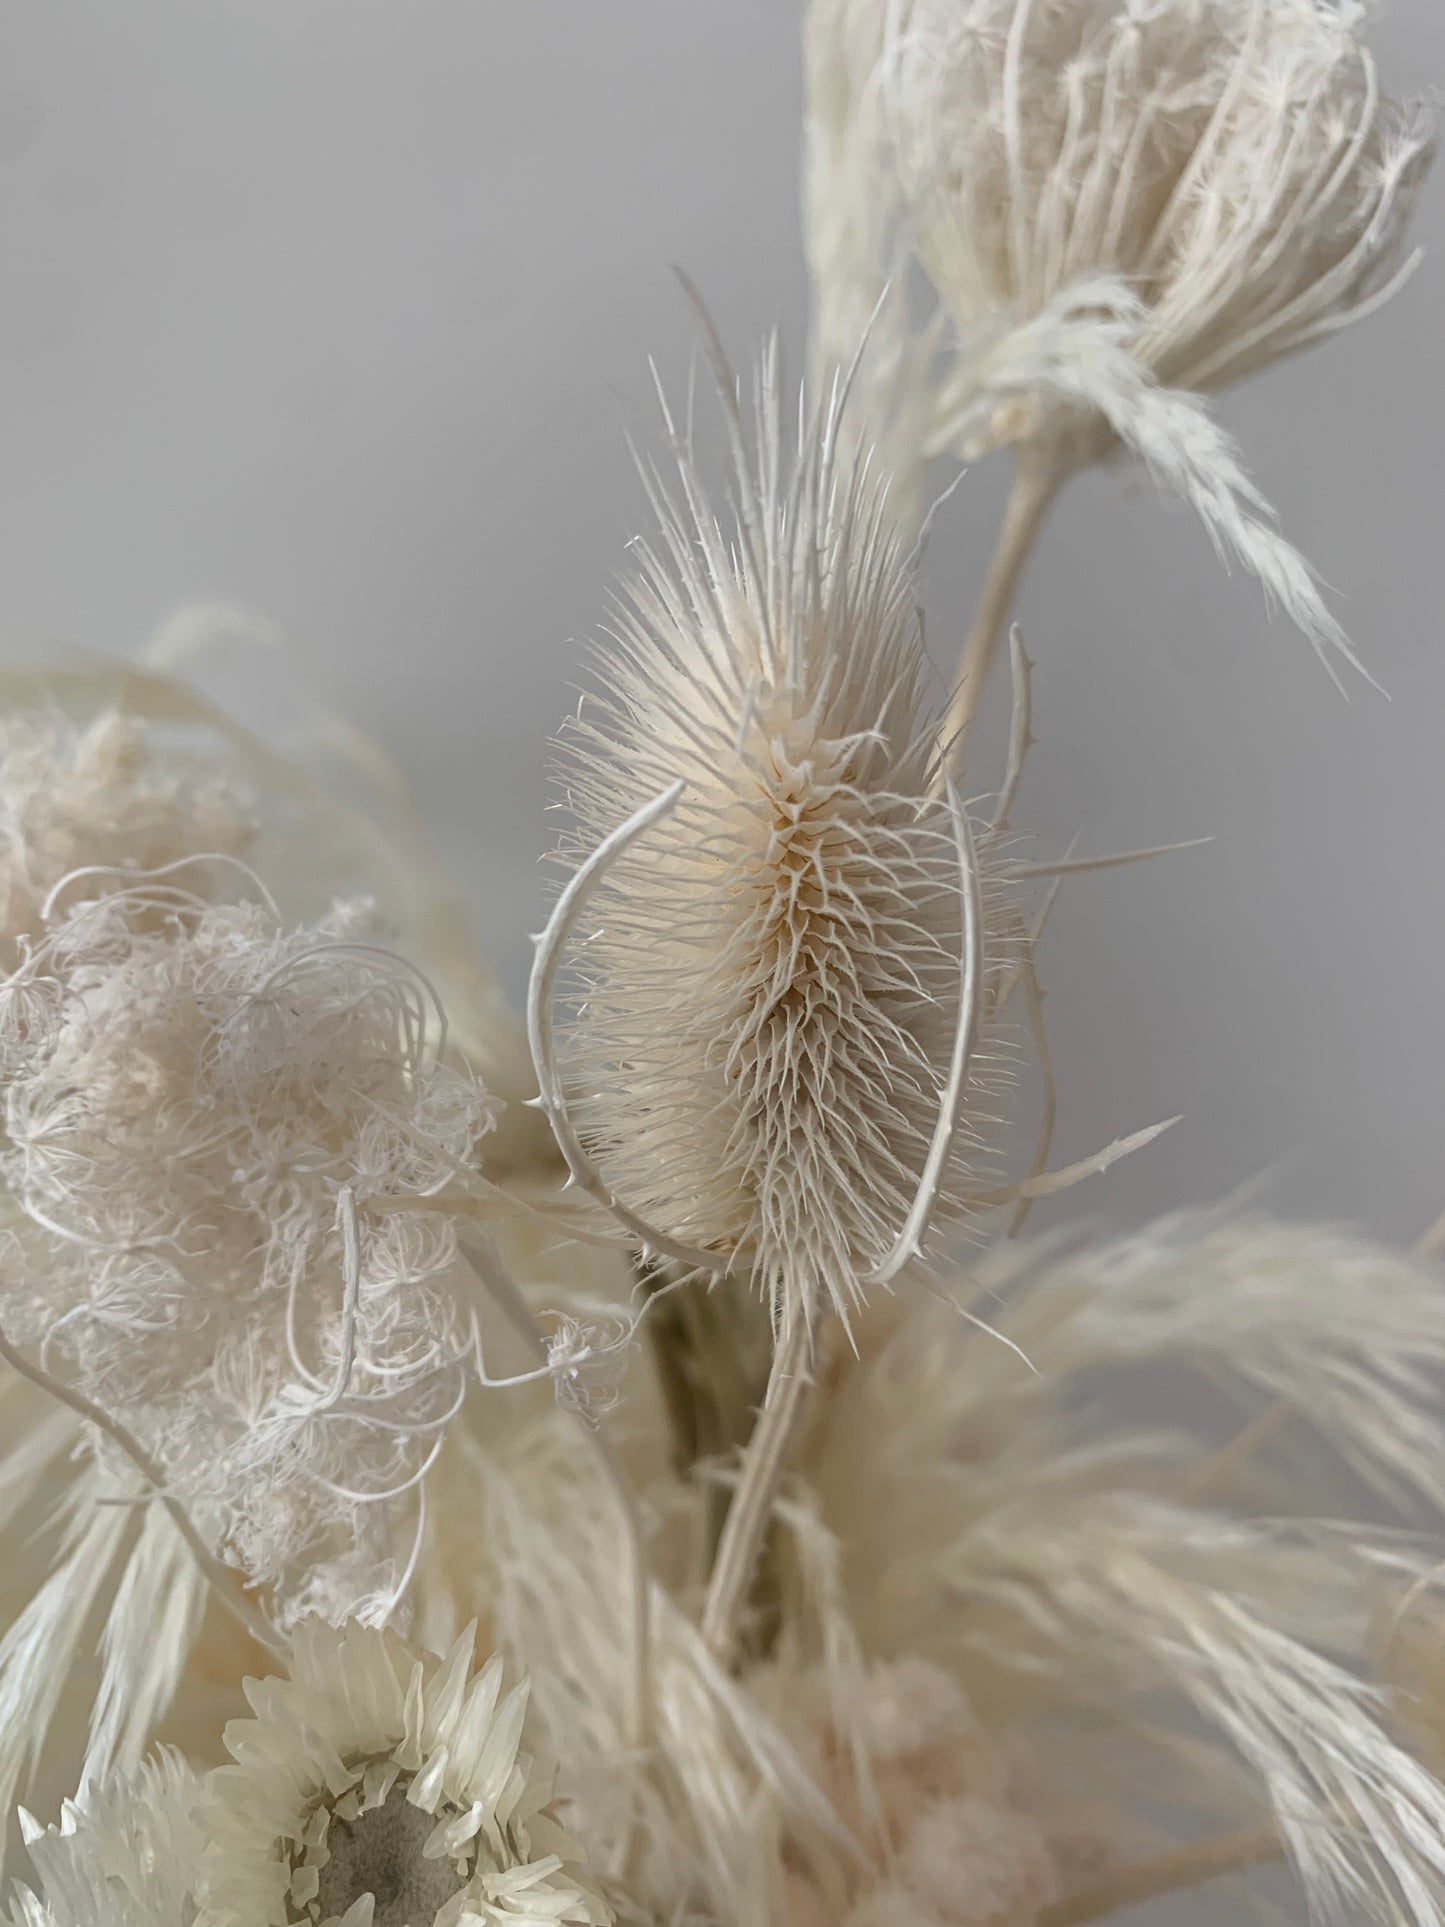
(380, 1853)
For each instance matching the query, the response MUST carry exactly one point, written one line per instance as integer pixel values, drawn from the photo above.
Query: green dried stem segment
(712, 1350)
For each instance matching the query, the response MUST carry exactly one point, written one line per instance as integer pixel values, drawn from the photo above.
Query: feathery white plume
(1067, 1571)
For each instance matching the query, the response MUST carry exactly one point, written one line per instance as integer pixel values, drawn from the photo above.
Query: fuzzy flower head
(379, 1788)
(199, 1105)
(99, 799)
(782, 957)
(1118, 205)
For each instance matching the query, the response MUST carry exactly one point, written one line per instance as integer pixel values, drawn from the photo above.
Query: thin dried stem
(1167, 1873)
(1044, 1056)
(1020, 735)
(1082, 865)
(763, 1465)
(219, 1576)
(1051, 1182)
(1028, 505)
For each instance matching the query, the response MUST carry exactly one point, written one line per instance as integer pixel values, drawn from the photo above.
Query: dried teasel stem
(1190, 1866)
(219, 1576)
(1029, 502)
(1049, 1182)
(510, 1301)
(752, 1506)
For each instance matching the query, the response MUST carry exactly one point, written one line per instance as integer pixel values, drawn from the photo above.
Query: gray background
(341, 309)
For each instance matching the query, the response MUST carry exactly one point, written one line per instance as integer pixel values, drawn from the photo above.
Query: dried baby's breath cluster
(199, 1108)
(687, 1501)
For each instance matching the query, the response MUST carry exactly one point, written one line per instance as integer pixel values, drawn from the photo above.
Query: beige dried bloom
(381, 1787)
(194, 1115)
(125, 1857)
(784, 921)
(1118, 206)
(91, 800)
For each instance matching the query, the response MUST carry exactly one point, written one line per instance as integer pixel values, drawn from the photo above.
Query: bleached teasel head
(783, 924)
(1118, 206)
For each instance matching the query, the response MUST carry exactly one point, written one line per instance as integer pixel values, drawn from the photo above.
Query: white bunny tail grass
(783, 922)
(1232, 165)
(125, 1857)
(1068, 1572)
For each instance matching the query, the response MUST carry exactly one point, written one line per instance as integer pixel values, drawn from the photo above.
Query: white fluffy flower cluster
(199, 1105)
(89, 801)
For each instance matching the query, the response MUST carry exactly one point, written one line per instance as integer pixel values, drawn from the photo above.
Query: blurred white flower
(1118, 205)
(93, 801)
(125, 1857)
(378, 1787)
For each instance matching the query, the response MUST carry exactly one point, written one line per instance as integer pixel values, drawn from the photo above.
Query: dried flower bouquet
(629, 1465)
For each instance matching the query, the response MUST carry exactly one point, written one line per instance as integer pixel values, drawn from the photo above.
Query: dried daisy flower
(1118, 208)
(1131, 1586)
(380, 1787)
(123, 1858)
(787, 925)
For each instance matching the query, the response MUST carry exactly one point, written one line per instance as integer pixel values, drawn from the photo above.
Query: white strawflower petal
(763, 1059)
(125, 1857)
(422, 1833)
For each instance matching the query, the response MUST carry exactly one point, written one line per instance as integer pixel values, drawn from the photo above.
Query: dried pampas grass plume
(1132, 1586)
(781, 919)
(1117, 209)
